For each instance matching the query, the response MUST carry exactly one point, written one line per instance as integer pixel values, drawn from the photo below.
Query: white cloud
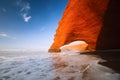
(24, 9)
(6, 36)
(26, 18)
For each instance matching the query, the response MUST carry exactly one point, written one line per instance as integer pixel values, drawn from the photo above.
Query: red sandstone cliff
(82, 20)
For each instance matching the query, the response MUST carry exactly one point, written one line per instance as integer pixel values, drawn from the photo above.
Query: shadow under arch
(109, 37)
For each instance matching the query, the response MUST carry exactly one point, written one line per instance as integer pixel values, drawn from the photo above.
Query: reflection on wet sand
(74, 66)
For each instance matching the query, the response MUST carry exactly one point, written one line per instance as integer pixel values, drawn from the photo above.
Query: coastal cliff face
(81, 20)
(110, 31)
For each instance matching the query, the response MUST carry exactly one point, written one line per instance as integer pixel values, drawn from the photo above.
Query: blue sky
(29, 24)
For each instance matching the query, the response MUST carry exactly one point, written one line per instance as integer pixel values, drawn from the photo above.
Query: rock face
(82, 20)
(110, 31)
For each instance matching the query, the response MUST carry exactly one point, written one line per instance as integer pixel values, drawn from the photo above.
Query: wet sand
(112, 58)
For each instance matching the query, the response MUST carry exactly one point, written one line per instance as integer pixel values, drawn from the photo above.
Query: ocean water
(37, 65)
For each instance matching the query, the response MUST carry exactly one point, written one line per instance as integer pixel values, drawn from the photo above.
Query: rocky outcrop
(82, 20)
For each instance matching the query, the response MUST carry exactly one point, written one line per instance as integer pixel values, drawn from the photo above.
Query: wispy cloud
(24, 9)
(25, 6)
(3, 35)
(4, 10)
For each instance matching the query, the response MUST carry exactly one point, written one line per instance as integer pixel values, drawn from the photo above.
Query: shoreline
(112, 58)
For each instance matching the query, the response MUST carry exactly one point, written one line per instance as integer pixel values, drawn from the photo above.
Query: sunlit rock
(78, 46)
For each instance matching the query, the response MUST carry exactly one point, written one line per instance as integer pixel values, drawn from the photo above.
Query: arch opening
(77, 46)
